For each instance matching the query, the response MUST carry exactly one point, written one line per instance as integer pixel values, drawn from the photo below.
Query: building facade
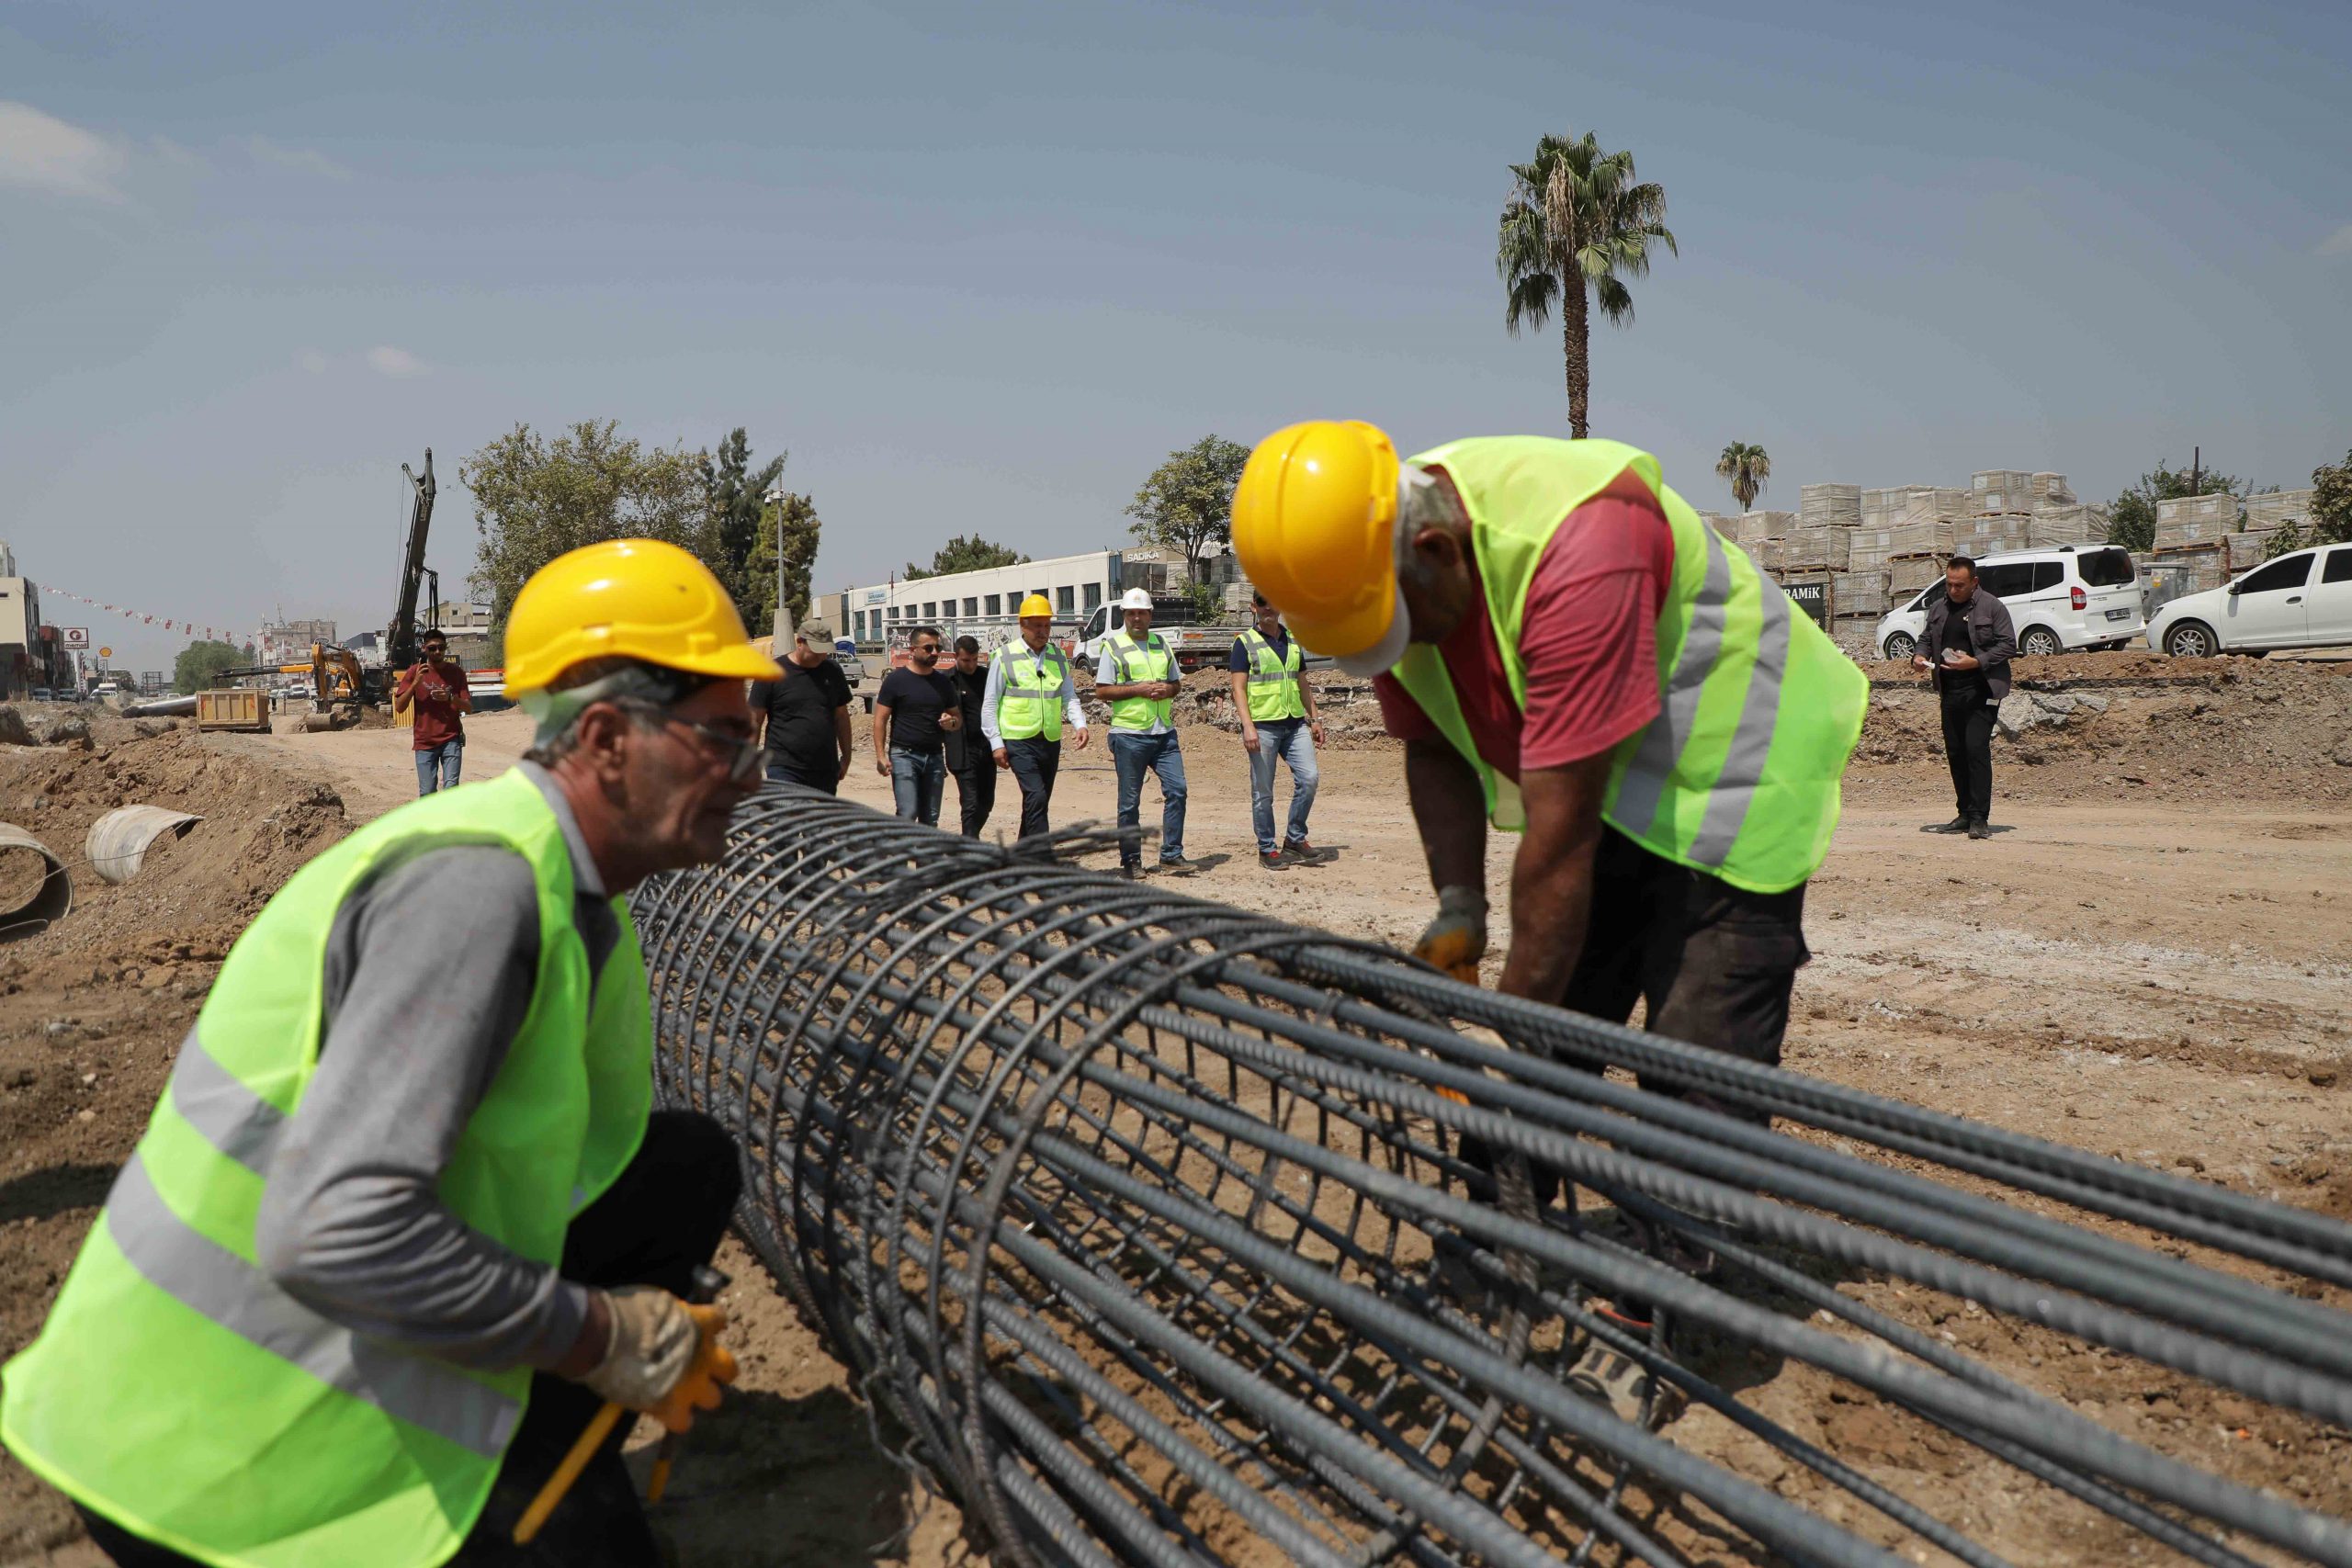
(986, 604)
(289, 642)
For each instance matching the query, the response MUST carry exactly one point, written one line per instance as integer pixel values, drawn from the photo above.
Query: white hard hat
(1135, 599)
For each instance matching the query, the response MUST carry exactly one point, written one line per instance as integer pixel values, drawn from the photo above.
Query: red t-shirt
(437, 717)
(1588, 635)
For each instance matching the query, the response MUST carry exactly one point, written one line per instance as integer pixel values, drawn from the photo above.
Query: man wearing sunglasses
(405, 1217)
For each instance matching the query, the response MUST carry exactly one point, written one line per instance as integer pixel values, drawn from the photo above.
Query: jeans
(1034, 762)
(436, 766)
(781, 771)
(1968, 745)
(975, 791)
(664, 1216)
(916, 780)
(1133, 754)
(1290, 740)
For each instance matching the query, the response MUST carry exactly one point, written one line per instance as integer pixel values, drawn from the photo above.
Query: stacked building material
(2243, 552)
(2001, 489)
(1829, 506)
(1873, 547)
(2279, 509)
(1886, 507)
(1817, 550)
(1994, 534)
(2057, 523)
(2053, 488)
(1935, 503)
(2203, 566)
(1859, 594)
(2194, 520)
(1908, 574)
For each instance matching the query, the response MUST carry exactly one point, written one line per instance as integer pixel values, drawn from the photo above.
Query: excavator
(340, 684)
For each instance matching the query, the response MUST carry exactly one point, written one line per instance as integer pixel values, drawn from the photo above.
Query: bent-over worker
(1136, 673)
(403, 1218)
(1569, 652)
(1028, 697)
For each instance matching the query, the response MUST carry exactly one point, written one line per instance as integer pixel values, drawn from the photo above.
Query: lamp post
(774, 497)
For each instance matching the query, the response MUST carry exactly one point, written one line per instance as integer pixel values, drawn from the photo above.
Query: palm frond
(1616, 301)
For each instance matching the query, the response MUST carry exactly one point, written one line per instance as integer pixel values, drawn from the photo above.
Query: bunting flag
(169, 623)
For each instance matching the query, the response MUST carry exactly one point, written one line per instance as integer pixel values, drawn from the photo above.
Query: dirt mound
(93, 1010)
(2131, 724)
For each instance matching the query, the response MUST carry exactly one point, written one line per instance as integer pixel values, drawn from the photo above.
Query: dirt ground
(2149, 959)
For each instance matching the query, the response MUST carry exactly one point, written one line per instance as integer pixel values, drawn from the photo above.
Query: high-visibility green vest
(1274, 679)
(1031, 703)
(1139, 661)
(178, 1389)
(1738, 773)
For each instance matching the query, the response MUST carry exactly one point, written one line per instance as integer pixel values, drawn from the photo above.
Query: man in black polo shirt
(914, 712)
(968, 748)
(805, 717)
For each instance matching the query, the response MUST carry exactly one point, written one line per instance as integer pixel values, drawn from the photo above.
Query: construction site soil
(2149, 959)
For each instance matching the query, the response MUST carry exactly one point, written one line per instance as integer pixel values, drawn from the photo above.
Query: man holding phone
(914, 713)
(437, 689)
(1966, 650)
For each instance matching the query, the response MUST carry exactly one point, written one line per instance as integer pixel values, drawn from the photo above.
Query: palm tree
(1746, 465)
(1576, 221)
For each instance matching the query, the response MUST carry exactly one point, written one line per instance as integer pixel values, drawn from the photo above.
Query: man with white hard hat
(1136, 674)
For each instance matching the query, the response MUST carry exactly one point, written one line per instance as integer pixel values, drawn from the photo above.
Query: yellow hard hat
(1035, 605)
(631, 599)
(1315, 526)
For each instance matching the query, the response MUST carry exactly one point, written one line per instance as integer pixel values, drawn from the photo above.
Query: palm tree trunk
(1574, 346)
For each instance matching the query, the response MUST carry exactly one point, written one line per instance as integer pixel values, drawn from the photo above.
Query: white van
(2302, 600)
(2065, 598)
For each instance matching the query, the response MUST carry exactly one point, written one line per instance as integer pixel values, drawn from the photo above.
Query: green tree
(2132, 517)
(1746, 466)
(795, 516)
(1186, 505)
(199, 664)
(736, 494)
(1575, 226)
(967, 552)
(535, 499)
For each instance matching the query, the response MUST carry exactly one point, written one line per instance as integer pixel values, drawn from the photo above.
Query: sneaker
(1301, 851)
(1980, 829)
(1272, 860)
(1957, 825)
(1609, 1379)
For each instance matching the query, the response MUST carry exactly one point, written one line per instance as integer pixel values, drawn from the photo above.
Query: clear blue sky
(981, 267)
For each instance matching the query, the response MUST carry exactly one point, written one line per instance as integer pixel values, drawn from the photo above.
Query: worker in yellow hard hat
(404, 1218)
(1029, 697)
(1568, 651)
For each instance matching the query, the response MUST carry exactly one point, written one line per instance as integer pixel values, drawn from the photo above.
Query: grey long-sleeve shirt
(430, 968)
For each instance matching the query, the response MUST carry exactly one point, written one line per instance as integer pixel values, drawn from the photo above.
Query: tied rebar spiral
(1163, 1233)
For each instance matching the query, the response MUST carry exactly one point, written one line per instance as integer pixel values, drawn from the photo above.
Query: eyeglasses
(741, 752)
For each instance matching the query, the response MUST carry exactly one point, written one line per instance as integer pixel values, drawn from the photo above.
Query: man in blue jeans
(436, 689)
(914, 713)
(1136, 676)
(1278, 721)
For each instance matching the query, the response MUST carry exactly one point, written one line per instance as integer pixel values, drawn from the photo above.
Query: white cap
(1135, 599)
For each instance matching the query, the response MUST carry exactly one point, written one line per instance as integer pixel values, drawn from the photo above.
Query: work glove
(664, 1358)
(1456, 939)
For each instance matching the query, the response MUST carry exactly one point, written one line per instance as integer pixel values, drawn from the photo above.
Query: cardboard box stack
(2001, 489)
(2278, 509)
(2194, 520)
(1829, 506)
(1815, 549)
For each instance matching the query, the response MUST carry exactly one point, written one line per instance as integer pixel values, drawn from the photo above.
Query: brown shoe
(1272, 860)
(1302, 851)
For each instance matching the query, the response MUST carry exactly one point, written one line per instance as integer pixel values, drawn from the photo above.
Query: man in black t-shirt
(1966, 645)
(967, 750)
(805, 717)
(914, 713)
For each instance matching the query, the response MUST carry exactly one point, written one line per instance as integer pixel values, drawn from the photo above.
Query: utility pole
(2196, 470)
(774, 497)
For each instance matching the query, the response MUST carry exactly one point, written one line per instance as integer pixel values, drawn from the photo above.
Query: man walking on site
(436, 689)
(1136, 676)
(1278, 722)
(404, 1218)
(803, 719)
(1028, 697)
(1966, 647)
(914, 713)
(967, 752)
(1569, 652)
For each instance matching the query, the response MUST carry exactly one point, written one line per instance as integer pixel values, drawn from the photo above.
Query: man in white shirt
(1136, 673)
(1029, 698)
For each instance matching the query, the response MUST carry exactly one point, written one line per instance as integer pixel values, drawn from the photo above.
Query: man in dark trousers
(914, 713)
(804, 718)
(436, 689)
(1966, 649)
(967, 752)
(1029, 699)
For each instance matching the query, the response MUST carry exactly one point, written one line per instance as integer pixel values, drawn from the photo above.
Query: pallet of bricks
(2192, 534)
(2264, 515)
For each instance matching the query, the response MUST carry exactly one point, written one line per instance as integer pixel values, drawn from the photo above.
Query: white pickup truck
(1196, 646)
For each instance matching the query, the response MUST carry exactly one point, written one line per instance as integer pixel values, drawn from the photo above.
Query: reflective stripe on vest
(1272, 679)
(1030, 702)
(1157, 664)
(1740, 772)
(321, 1442)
